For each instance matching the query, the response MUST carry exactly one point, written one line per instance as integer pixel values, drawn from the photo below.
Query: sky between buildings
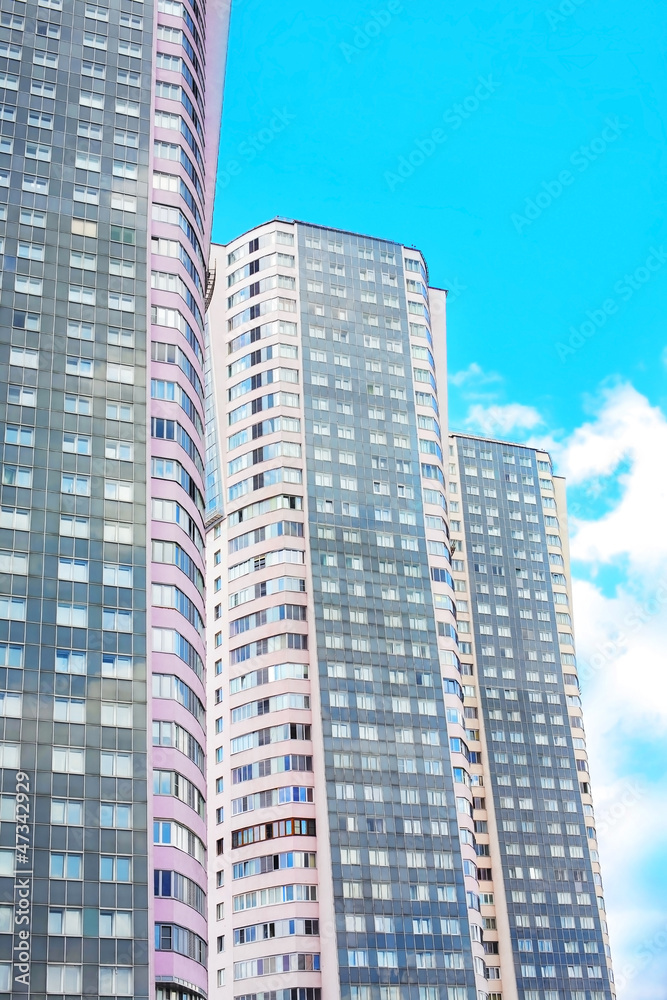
(521, 146)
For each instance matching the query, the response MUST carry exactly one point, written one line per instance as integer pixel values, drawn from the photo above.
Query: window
(115, 815)
(77, 485)
(63, 979)
(118, 490)
(115, 868)
(74, 615)
(76, 404)
(120, 450)
(65, 921)
(76, 444)
(68, 760)
(23, 436)
(116, 981)
(69, 710)
(116, 923)
(120, 411)
(68, 866)
(21, 395)
(116, 714)
(36, 185)
(116, 765)
(85, 261)
(66, 812)
(70, 662)
(79, 366)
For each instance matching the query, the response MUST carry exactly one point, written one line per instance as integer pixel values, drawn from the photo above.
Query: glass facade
(392, 678)
(392, 822)
(543, 889)
(103, 171)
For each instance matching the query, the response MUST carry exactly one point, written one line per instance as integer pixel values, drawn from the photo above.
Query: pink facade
(189, 72)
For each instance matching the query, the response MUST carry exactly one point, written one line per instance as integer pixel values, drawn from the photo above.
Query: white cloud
(627, 438)
(502, 420)
(620, 645)
(474, 373)
(621, 638)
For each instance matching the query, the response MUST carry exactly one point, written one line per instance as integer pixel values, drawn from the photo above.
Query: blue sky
(521, 146)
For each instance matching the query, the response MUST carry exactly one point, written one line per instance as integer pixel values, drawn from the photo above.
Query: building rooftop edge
(511, 444)
(315, 225)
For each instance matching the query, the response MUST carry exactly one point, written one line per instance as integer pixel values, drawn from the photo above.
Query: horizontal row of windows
(171, 937)
(272, 797)
(271, 831)
(262, 647)
(281, 502)
(260, 264)
(265, 427)
(175, 784)
(173, 688)
(262, 403)
(272, 765)
(276, 964)
(263, 479)
(266, 675)
(261, 356)
(274, 862)
(265, 330)
(169, 833)
(280, 449)
(279, 237)
(282, 612)
(170, 641)
(274, 734)
(170, 734)
(296, 556)
(277, 703)
(273, 895)
(279, 304)
(277, 929)
(266, 588)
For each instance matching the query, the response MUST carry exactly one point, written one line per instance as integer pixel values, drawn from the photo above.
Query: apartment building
(540, 884)
(399, 803)
(109, 121)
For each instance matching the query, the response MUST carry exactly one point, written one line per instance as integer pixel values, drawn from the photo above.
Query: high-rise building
(109, 117)
(540, 884)
(363, 844)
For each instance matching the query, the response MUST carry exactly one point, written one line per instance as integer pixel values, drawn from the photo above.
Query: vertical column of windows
(260, 616)
(178, 275)
(475, 811)
(462, 721)
(555, 524)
